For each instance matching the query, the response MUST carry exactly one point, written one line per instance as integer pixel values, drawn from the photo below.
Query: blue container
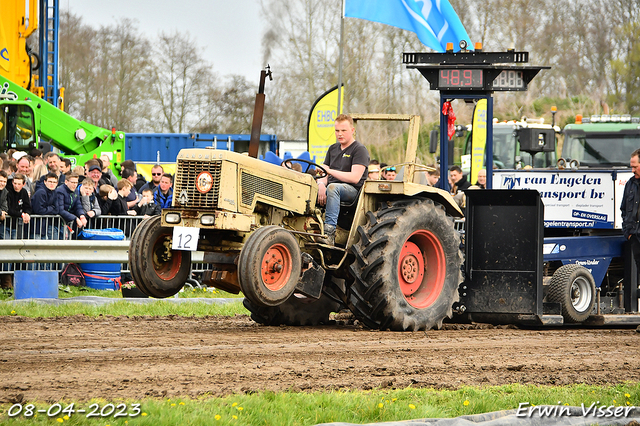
(107, 234)
(102, 276)
(35, 284)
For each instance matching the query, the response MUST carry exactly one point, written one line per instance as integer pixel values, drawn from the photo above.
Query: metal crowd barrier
(48, 243)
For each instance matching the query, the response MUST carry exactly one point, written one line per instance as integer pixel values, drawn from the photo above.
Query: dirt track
(137, 357)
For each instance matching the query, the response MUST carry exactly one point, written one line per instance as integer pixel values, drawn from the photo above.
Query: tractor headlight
(172, 218)
(207, 219)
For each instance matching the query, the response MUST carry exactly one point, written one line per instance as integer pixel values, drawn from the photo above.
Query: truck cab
(17, 127)
(601, 141)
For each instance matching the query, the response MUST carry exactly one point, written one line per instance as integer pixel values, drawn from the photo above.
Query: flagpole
(340, 58)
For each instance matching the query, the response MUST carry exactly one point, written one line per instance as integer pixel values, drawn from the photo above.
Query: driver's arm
(353, 176)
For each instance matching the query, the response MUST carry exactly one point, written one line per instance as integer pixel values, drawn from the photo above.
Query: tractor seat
(347, 211)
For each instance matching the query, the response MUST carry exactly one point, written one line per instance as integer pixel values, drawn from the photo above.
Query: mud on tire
(407, 267)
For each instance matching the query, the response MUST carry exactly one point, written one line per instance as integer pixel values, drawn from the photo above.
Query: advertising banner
(320, 131)
(572, 199)
(478, 139)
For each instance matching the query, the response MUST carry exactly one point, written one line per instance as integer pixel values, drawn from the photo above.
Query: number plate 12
(185, 238)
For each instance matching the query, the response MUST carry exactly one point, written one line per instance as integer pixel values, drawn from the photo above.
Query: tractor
(396, 264)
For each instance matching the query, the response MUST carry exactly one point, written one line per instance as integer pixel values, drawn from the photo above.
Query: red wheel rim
(422, 269)
(166, 269)
(276, 267)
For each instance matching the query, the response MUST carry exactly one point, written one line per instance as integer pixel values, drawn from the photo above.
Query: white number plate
(185, 238)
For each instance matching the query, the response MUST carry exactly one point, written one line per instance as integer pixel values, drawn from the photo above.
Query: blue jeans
(336, 193)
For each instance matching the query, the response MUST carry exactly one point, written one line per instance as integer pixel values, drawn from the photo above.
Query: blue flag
(434, 21)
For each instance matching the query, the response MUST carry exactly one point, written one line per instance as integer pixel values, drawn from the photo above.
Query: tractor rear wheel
(574, 288)
(155, 267)
(269, 266)
(407, 267)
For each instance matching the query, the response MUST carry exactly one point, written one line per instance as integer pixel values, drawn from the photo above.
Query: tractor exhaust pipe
(258, 111)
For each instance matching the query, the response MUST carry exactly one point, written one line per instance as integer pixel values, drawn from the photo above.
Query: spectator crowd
(37, 184)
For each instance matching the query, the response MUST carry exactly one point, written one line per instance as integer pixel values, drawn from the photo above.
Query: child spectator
(107, 194)
(146, 206)
(132, 176)
(163, 195)
(119, 204)
(89, 200)
(79, 170)
(389, 173)
(18, 204)
(373, 170)
(433, 176)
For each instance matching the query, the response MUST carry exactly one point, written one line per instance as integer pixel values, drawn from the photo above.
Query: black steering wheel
(321, 171)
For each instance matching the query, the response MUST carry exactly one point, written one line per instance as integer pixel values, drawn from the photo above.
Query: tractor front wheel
(158, 270)
(269, 266)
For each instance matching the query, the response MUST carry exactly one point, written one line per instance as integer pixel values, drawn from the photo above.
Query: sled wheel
(269, 266)
(574, 288)
(160, 270)
(407, 267)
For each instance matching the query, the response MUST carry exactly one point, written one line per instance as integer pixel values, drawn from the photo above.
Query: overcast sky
(229, 31)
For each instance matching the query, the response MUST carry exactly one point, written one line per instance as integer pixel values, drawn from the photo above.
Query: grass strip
(300, 408)
(122, 307)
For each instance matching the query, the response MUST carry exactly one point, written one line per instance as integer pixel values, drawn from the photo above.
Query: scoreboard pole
(444, 136)
(471, 75)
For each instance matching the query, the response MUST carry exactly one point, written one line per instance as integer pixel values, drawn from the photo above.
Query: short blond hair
(345, 117)
(123, 183)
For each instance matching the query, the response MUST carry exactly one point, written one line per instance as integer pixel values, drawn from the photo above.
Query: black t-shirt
(337, 159)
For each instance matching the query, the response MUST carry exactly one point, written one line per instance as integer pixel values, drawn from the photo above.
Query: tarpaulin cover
(567, 416)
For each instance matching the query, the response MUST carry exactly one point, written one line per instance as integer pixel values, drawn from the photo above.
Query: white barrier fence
(48, 243)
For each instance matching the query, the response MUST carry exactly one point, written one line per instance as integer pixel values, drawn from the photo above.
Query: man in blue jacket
(163, 195)
(44, 202)
(69, 204)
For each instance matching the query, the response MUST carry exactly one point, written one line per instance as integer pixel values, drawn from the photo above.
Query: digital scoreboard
(460, 78)
(469, 71)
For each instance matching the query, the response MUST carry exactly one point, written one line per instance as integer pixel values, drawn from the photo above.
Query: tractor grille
(252, 185)
(186, 175)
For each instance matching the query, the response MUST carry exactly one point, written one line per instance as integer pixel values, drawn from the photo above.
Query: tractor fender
(438, 195)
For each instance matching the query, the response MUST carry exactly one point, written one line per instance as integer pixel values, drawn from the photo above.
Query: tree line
(116, 76)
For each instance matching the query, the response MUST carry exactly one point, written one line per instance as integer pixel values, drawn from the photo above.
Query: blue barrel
(102, 276)
(35, 284)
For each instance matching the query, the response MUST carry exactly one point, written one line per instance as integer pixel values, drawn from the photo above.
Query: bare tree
(104, 73)
(181, 79)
